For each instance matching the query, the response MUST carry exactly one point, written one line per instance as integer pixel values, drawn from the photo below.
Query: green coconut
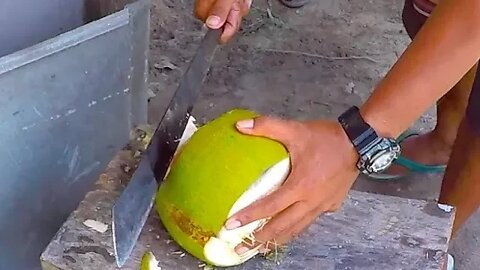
(216, 172)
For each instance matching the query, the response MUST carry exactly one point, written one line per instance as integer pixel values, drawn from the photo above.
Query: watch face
(383, 160)
(379, 156)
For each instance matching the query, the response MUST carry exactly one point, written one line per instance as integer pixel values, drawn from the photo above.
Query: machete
(132, 208)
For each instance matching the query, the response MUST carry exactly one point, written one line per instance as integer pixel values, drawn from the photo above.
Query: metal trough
(72, 86)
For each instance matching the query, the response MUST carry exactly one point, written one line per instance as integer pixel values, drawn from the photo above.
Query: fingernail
(241, 250)
(213, 21)
(247, 124)
(232, 224)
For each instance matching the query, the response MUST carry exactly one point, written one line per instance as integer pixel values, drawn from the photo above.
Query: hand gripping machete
(132, 208)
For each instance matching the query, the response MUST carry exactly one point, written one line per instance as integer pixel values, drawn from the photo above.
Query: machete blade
(132, 208)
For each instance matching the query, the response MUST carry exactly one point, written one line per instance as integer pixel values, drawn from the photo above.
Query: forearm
(442, 52)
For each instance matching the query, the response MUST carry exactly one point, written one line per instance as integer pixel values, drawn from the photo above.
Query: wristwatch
(376, 153)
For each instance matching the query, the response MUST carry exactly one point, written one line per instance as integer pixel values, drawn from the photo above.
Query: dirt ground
(309, 63)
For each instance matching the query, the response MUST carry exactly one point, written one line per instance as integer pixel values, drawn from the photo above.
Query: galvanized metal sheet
(24, 23)
(66, 106)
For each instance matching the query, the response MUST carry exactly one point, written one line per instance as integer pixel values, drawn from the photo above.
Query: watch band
(358, 131)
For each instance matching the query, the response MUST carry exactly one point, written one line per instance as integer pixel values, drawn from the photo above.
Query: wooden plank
(369, 232)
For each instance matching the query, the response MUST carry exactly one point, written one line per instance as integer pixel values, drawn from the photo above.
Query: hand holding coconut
(222, 13)
(322, 172)
(230, 195)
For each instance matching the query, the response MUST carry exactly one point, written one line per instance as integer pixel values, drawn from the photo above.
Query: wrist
(377, 121)
(345, 144)
(375, 152)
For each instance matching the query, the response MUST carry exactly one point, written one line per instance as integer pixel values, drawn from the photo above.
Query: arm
(442, 52)
(322, 157)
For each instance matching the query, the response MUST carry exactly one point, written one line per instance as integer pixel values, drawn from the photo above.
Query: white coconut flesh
(220, 250)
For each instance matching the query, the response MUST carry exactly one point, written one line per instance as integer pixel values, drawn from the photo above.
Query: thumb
(270, 127)
(218, 13)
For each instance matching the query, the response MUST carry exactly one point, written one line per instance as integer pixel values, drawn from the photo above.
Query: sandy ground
(309, 63)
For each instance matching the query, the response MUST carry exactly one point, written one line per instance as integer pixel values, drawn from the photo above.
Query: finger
(218, 13)
(268, 235)
(265, 207)
(271, 127)
(232, 24)
(245, 7)
(291, 232)
(202, 8)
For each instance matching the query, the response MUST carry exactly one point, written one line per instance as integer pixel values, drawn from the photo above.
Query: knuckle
(260, 121)
(305, 193)
(322, 208)
(245, 218)
(289, 188)
(296, 194)
(270, 234)
(303, 205)
(242, 216)
(336, 206)
(294, 234)
(271, 206)
(277, 232)
(301, 192)
(236, 6)
(221, 8)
